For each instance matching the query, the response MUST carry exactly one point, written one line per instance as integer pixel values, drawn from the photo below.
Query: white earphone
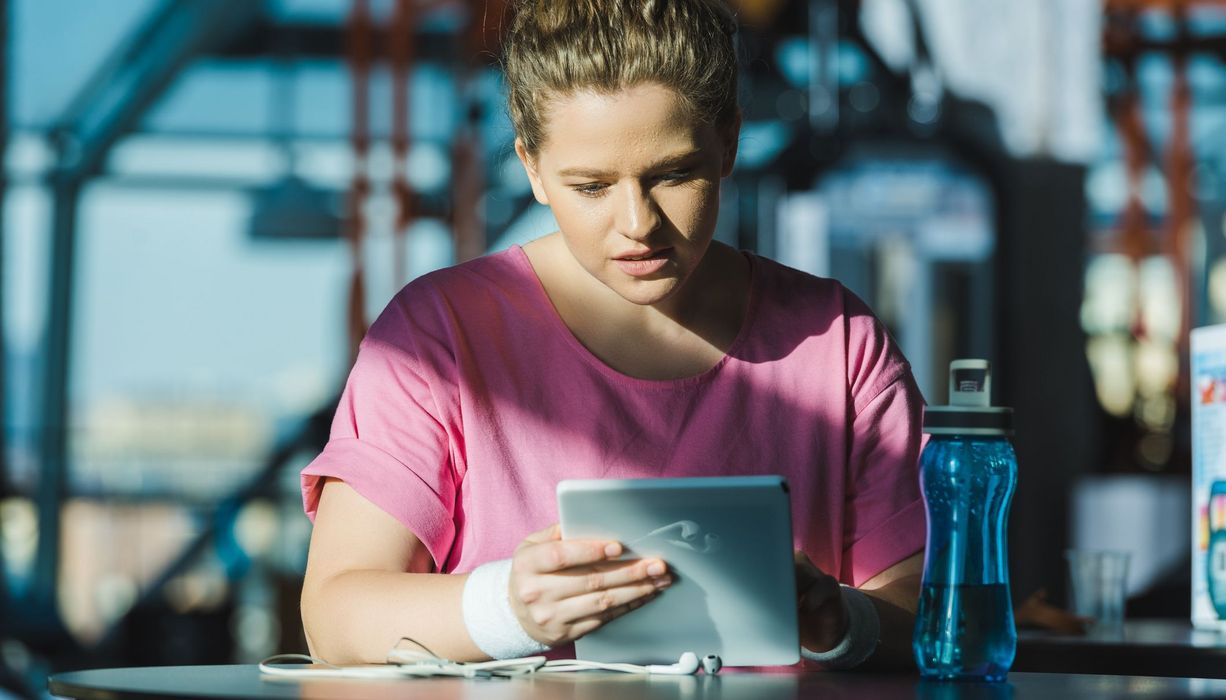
(687, 665)
(405, 663)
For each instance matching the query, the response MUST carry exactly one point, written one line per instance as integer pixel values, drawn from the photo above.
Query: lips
(645, 262)
(644, 254)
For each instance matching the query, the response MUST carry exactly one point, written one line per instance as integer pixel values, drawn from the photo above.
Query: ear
(529, 163)
(732, 139)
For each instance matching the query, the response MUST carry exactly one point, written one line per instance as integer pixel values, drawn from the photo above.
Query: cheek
(583, 224)
(577, 218)
(694, 207)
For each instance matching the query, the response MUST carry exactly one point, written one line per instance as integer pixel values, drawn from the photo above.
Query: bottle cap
(970, 410)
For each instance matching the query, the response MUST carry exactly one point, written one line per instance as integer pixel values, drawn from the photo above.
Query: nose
(637, 213)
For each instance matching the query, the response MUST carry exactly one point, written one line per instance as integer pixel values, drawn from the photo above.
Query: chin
(647, 294)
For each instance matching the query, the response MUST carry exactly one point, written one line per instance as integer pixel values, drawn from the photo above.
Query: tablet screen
(728, 544)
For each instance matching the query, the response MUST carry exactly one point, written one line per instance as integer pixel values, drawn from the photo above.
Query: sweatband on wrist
(860, 641)
(491, 623)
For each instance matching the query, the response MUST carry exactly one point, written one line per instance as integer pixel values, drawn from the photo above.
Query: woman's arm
(368, 583)
(893, 592)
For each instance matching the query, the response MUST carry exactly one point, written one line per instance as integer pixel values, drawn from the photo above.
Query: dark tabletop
(1145, 648)
(786, 684)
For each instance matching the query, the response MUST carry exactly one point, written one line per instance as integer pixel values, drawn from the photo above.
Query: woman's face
(633, 181)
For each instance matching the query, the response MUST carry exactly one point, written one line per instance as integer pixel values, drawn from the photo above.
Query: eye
(674, 175)
(590, 189)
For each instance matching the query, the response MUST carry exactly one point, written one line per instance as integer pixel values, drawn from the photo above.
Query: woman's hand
(564, 589)
(823, 618)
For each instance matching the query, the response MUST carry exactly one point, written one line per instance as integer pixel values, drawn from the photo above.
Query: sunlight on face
(633, 181)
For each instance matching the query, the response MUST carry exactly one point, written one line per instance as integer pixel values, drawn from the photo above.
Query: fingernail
(663, 582)
(655, 568)
(612, 549)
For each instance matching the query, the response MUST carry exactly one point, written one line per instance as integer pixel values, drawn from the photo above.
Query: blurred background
(205, 201)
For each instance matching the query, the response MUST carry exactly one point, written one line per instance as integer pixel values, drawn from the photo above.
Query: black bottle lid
(970, 410)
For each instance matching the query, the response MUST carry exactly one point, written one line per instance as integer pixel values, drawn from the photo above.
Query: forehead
(635, 124)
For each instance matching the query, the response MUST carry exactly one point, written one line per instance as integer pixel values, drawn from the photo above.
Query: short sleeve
(388, 441)
(884, 521)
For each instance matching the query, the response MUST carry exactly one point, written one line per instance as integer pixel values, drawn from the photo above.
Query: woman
(626, 344)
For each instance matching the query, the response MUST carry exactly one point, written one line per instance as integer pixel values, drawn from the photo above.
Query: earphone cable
(410, 663)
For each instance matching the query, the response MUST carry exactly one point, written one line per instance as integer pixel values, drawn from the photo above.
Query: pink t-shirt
(470, 400)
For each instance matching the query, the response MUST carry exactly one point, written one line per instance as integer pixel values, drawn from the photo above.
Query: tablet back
(728, 544)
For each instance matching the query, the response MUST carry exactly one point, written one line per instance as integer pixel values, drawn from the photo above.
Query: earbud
(687, 665)
(711, 664)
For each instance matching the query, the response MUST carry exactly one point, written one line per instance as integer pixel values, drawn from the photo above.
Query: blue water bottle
(964, 628)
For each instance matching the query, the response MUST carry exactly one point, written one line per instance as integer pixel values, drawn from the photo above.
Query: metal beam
(322, 41)
(111, 105)
(823, 65)
(4, 185)
(4, 132)
(125, 86)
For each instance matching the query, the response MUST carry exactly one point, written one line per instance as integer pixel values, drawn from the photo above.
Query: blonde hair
(558, 47)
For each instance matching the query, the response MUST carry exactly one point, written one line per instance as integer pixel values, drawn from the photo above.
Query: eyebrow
(662, 164)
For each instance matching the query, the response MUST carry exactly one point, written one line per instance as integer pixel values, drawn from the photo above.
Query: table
(784, 684)
(1146, 647)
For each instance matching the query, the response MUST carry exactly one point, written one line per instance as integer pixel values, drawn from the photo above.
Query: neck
(710, 303)
(711, 292)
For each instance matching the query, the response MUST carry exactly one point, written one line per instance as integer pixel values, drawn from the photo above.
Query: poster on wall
(1209, 477)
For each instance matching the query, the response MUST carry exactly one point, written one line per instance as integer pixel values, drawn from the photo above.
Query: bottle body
(964, 627)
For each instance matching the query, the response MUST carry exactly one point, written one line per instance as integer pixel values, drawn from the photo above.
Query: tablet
(728, 544)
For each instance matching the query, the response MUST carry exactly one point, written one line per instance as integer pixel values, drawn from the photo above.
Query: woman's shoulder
(827, 308)
(501, 272)
(472, 284)
(471, 293)
(799, 291)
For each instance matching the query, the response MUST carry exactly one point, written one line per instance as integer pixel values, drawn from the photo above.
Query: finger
(590, 624)
(553, 532)
(605, 575)
(559, 555)
(603, 603)
(823, 592)
(807, 573)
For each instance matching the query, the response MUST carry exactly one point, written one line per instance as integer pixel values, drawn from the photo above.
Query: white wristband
(488, 616)
(860, 641)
